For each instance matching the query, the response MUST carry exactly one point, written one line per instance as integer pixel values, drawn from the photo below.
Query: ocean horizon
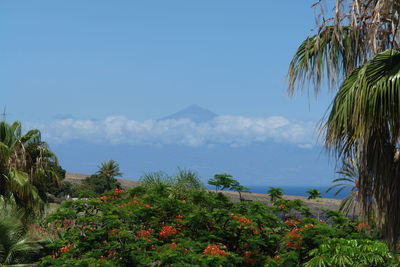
(295, 190)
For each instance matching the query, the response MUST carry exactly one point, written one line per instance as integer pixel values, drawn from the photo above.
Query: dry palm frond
(355, 32)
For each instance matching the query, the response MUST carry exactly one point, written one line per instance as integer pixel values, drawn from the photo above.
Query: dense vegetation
(151, 226)
(167, 221)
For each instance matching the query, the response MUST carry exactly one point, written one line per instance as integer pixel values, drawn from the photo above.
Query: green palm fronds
(25, 167)
(364, 123)
(324, 54)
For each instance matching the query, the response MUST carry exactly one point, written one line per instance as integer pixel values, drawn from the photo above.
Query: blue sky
(146, 59)
(104, 72)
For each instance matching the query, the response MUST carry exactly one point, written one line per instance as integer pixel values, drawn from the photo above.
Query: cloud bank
(229, 130)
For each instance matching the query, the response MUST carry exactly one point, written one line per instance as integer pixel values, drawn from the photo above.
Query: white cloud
(230, 130)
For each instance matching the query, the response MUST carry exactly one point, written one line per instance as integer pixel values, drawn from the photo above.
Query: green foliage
(275, 193)
(27, 167)
(149, 226)
(313, 193)
(16, 246)
(342, 252)
(222, 181)
(104, 180)
(99, 183)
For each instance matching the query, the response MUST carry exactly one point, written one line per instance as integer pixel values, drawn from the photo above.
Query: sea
(296, 190)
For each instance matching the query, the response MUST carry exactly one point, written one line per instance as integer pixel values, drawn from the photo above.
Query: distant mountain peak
(194, 113)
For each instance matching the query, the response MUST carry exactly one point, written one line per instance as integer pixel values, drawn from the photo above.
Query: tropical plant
(348, 182)
(184, 182)
(109, 169)
(236, 186)
(27, 167)
(342, 252)
(156, 178)
(104, 179)
(16, 247)
(313, 193)
(221, 181)
(274, 193)
(355, 49)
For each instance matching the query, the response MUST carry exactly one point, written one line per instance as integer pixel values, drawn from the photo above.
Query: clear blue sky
(147, 59)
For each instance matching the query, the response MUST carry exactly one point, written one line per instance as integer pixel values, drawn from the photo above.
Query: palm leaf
(364, 123)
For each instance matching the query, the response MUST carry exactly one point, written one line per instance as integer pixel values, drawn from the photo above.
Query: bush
(149, 226)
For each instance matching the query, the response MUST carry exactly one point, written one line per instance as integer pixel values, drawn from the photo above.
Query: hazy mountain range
(269, 162)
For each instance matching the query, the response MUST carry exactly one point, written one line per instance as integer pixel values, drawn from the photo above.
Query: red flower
(173, 245)
(147, 206)
(144, 233)
(114, 231)
(213, 250)
(111, 253)
(278, 258)
(179, 217)
(256, 232)
(242, 220)
(66, 248)
(167, 231)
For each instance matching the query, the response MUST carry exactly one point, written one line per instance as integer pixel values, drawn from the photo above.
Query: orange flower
(183, 201)
(213, 250)
(278, 258)
(282, 206)
(66, 248)
(144, 233)
(244, 220)
(179, 217)
(167, 231)
(147, 206)
(103, 198)
(173, 245)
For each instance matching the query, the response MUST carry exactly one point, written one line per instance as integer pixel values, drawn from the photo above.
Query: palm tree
(348, 182)
(16, 247)
(110, 169)
(355, 49)
(313, 193)
(275, 193)
(26, 166)
(364, 123)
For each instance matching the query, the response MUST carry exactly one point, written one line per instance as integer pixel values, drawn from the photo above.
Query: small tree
(275, 193)
(104, 179)
(221, 181)
(236, 186)
(313, 193)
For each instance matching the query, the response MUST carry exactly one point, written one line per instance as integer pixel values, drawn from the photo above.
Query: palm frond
(364, 122)
(325, 54)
